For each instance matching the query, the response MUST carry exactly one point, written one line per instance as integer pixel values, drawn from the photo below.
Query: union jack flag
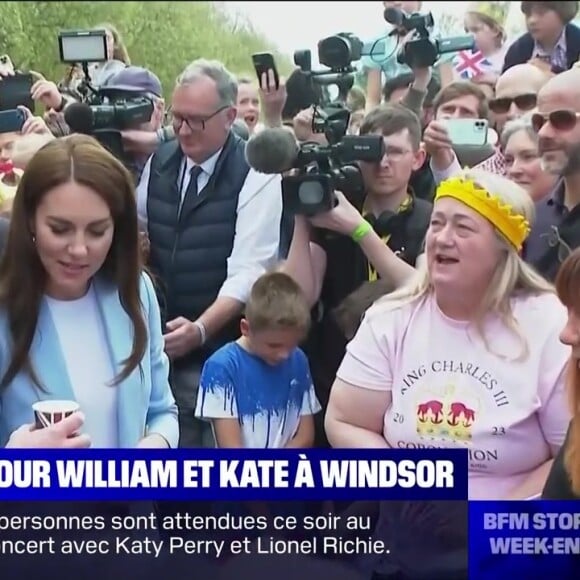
(469, 64)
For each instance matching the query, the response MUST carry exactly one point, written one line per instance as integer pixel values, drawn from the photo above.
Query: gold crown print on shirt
(447, 414)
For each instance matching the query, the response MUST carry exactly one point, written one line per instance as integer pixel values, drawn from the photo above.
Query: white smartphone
(472, 132)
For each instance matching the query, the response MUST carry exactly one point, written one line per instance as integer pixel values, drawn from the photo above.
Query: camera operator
(381, 70)
(348, 247)
(134, 81)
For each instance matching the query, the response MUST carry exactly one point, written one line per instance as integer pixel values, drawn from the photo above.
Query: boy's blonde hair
(277, 303)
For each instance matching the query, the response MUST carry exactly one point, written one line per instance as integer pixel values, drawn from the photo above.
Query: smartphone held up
(263, 63)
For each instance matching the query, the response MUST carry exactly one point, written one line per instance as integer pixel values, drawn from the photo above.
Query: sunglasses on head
(563, 120)
(502, 105)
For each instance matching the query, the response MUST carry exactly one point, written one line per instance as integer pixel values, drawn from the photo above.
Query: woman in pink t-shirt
(466, 355)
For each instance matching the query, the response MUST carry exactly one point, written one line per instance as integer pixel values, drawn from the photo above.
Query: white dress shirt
(440, 175)
(257, 234)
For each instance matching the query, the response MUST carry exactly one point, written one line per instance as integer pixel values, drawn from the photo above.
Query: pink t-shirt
(448, 390)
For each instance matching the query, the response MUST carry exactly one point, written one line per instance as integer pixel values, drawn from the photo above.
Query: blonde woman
(466, 354)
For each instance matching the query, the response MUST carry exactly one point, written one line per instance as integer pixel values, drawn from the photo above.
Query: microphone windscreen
(79, 118)
(272, 151)
(394, 16)
(240, 128)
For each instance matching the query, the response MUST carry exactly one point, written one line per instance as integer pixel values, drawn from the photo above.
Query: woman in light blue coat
(79, 319)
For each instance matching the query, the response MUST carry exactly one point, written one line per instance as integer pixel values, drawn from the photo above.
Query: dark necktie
(191, 190)
(194, 173)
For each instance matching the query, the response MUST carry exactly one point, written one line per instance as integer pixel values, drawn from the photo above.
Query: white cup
(47, 413)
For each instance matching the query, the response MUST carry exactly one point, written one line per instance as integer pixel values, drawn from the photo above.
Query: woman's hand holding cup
(58, 425)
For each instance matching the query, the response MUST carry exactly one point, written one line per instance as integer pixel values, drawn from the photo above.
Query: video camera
(322, 169)
(421, 50)
(102, 113)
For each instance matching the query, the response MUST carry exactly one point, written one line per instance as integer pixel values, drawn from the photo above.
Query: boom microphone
(272, 151)
(241, 129)
(79, 117)
(394, 16)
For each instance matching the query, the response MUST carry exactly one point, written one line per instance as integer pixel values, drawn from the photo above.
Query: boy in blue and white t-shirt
(257, 391)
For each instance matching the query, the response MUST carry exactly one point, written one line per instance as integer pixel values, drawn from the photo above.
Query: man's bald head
(515, 92)
(558, 121)
(567, 81)
(525, 76)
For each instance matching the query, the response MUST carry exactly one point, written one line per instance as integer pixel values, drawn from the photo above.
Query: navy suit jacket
(520, 52)
(145, 402)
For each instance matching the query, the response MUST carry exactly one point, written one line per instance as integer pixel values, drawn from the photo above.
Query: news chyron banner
(525, 539)
(267, 514)
(239, 475)
(218, 514)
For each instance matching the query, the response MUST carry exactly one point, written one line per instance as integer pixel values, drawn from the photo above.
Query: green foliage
(161, 36)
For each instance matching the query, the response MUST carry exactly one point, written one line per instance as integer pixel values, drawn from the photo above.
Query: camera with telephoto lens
(111, 115)
(422, 50)
(320, 170)
(102, 113)
(119, 112)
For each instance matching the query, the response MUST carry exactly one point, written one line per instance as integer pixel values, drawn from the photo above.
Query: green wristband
(361, 231)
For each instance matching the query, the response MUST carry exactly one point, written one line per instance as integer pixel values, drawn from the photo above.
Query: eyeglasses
(554, 240)
(502, 106)
(395, 154)
(563, 120)
(194, 123)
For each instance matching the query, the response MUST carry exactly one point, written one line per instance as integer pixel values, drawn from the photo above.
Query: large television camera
(319, 170)
(104, 117)
(422, 50)
(102, 113)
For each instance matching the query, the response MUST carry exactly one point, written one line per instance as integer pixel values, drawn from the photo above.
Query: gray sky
(294, 25)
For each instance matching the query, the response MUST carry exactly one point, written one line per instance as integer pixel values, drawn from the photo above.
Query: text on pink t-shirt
(448, 390)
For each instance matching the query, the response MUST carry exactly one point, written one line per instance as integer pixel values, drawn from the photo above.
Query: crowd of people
(180, 303)
(174, 295)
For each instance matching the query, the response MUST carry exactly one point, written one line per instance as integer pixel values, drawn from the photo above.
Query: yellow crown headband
(513, 226)
(497, 11)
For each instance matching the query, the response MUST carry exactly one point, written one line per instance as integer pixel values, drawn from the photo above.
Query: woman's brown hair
(120, 51)
(568, 289)
(81, 159)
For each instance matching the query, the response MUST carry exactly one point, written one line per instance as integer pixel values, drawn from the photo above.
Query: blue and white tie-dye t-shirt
(267, 400)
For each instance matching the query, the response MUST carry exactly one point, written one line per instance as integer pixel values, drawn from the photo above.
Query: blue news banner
(62, 509)
(229, 514)
(524, 539)
(211, 474)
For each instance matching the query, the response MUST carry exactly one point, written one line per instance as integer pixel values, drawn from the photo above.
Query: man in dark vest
(213, 226)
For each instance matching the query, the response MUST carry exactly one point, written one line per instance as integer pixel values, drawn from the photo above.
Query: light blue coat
(145, 403)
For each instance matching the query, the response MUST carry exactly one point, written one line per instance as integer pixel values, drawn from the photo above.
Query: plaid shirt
(494, 164)
(557, 57)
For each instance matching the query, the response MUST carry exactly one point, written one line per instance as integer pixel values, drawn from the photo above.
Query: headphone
(388, 222)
